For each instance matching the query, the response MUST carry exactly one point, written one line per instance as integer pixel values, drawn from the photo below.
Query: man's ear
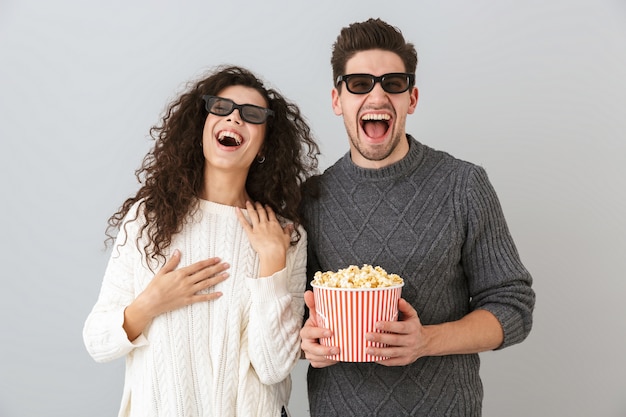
(413, 100)
(336, 102)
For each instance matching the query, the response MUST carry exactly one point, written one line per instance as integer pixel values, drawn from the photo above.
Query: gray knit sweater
(436, 221)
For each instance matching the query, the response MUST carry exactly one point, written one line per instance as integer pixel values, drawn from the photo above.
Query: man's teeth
(376, 117)
(230, 136)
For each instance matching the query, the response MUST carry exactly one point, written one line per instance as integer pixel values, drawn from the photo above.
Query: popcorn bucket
(351, 313)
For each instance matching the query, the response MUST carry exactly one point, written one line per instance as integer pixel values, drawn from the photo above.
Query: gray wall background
(534, 91)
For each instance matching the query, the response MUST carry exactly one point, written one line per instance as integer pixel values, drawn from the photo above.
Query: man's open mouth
(375, 125)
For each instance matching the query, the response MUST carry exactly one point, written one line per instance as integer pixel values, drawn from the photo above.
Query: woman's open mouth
(229, 139)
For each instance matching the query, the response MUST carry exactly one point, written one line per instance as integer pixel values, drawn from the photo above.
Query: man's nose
(378, 93)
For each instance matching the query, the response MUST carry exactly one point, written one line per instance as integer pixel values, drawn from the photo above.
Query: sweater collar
(400, 168)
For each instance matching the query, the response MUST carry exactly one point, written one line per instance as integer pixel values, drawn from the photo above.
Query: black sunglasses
(394, 83)
(250, 113)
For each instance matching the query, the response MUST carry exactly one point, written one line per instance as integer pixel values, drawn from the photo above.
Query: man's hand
(311, 333)
(406, 339)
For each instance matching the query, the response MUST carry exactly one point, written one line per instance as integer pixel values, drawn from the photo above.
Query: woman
(203, 290)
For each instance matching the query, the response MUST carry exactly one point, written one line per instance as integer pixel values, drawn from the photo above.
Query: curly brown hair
(171, 174)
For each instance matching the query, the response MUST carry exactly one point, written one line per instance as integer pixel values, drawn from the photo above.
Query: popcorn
(355, 277)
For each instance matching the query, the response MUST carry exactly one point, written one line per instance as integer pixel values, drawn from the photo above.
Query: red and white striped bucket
(351, 313)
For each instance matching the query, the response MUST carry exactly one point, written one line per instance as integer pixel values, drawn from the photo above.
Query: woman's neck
(225, 189)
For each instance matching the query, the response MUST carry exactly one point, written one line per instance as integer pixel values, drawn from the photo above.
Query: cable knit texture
(436, 221)
(228, 357)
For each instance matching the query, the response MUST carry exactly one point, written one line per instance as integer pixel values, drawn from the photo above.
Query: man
(420, 213)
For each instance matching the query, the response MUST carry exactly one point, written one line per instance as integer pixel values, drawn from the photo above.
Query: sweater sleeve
(276, 315)
(498, 281)
(103, 332)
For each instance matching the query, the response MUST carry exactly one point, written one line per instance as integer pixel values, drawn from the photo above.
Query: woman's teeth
(229, 139)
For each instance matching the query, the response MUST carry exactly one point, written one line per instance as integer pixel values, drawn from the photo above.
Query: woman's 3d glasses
(249, 113)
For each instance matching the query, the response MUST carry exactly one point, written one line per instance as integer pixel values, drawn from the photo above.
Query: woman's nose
(235, 117)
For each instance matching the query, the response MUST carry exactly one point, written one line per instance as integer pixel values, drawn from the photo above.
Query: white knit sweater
(228, 357)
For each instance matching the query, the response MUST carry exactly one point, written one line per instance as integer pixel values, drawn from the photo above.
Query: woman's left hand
(268, 238)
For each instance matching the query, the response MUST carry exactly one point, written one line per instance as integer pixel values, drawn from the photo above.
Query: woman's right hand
(173, 288)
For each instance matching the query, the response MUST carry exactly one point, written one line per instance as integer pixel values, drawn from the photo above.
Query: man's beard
(379, 153)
